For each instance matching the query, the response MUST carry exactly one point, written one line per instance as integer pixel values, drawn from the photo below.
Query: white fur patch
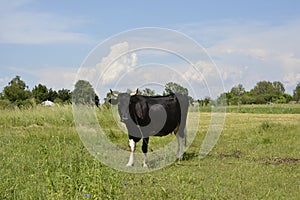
(131, 157)
(145, 160)
(132, 145)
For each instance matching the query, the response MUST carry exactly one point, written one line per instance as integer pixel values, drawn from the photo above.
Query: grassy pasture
(258, 109)
(256, 157)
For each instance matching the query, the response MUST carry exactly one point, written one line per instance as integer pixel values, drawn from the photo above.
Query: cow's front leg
(145, 150)
(132, 149)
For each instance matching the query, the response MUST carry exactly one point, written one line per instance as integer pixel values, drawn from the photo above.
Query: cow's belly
(161, 134)
(167, 130)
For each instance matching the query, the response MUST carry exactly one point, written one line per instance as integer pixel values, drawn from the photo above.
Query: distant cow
(146, 116)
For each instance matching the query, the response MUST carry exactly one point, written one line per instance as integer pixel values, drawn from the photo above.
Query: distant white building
(48, 103)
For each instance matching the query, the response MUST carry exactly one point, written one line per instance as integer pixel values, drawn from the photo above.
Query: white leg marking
(180, 146)
(131, 157)
(145, 160)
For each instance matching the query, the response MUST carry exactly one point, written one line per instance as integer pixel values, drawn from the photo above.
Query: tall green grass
(42, 157)
(266, 109)
(255, 109)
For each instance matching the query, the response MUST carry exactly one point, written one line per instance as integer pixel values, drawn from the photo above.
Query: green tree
(207, 100)
(238, 90)
(172, 87)
(288, 97)
(265, 91)
(247, 98)
(296, 93)
(16, 90)
(262, 88)
(40, 93)
(278, 88)
(148, 92)
(221, 100)
(52, 95)
(235, 95)
(64, 95)
(84, 93)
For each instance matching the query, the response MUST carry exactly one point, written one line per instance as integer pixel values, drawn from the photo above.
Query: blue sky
(47, 41)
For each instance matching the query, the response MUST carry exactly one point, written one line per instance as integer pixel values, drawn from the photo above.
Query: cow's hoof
(179, 157)
(129, 165)
(145, 165)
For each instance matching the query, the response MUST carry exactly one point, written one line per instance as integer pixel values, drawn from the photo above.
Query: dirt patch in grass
(264, 160)
(234, 154)
(277, 160)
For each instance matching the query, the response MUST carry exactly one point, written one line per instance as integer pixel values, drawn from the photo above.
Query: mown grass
(42, 157)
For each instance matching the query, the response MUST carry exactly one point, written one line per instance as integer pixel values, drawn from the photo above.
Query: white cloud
(32, 27)
(291, 79)
(3, 81)
(52, 77)
(290, 61)
(270, 52)
(112, 66)
(117, 62)
(56, 77)
(193, 75)
(202, 71)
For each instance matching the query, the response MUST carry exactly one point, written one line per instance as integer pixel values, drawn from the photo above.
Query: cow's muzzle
(124, 118)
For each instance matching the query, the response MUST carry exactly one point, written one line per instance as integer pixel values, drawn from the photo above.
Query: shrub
(4, 103)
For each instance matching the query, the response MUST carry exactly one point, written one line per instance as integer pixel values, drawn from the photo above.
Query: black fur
(146, 116)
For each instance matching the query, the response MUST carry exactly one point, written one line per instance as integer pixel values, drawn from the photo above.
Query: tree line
(263, 92)
(17, 94)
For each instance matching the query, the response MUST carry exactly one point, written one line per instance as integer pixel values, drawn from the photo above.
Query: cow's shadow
(187, 156)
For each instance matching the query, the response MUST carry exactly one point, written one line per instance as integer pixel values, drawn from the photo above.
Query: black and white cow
(146, 116)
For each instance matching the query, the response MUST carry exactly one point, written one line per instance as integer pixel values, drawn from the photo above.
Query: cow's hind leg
(180, 141)
(181, 134)
(145, 150)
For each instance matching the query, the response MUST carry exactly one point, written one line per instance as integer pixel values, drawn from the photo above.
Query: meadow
(256, 157)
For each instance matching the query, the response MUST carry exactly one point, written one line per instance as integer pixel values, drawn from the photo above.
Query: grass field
(256, 157)
(258, 109)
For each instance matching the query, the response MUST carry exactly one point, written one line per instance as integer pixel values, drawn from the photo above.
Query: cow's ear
(113, 101)
(140, 109)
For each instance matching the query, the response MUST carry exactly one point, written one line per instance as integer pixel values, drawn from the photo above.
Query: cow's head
(122, 100)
